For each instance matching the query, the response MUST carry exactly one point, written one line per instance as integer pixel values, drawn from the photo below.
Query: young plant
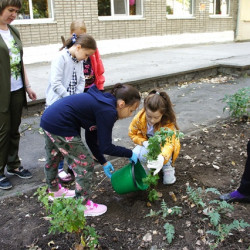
(67, 215)
(222, 231)
(169, 231)
(152, 180)
(155, 143)
(216, 208)
(166, 211)
(158, 140)
(195, 196)
(238, 104)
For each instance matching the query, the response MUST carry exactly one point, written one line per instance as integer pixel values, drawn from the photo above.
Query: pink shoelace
(91, 204)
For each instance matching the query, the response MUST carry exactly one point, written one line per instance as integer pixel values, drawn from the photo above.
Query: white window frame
(33, 20)
(182, 16)
(125, 16)
(214, 15)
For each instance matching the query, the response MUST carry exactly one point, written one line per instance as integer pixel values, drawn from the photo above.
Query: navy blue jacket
(95, 112)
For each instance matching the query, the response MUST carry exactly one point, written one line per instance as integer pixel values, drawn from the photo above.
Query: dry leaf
(149, 204)
(42, 159)
(215, 166)
(51, 243)
(173, 196)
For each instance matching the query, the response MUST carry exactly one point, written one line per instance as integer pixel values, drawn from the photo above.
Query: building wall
(243, 29)
(154, 22)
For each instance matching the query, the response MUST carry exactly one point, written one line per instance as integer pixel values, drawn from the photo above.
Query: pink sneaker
(63, 176)
(62, 192)
(93, 209)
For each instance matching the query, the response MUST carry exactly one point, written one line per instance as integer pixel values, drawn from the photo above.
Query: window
(180, 8)
(35, 9)
(120, 8)
(219, 7)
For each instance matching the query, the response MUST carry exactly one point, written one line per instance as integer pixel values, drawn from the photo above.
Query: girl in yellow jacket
(157, 112)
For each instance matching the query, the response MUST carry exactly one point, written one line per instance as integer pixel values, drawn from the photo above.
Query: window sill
(116, 18)
(220, 16)
(33, 21)
(180, 17)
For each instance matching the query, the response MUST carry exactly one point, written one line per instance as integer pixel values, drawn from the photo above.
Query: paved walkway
(127, 67)
(196, 105)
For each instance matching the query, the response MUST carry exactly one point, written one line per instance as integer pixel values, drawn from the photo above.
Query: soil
(214, 156)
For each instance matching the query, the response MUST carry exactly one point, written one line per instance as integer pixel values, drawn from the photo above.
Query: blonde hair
(74, 26)
(78, 24)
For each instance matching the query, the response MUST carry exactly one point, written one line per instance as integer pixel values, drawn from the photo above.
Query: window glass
(35, 9)
(24, 13)
(104, 8)
(119, 7)
(179, 7)
(219, 7)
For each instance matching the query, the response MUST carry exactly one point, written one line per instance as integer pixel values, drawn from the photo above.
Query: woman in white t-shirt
(14, 85)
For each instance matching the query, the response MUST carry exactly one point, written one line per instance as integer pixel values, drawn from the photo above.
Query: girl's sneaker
(94, 209)
(64, 177)
(168, 175)
(62, 192)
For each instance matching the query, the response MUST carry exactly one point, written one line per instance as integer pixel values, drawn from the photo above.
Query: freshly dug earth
(214, 156)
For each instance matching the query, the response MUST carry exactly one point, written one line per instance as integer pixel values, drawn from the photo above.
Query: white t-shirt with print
(15, 59)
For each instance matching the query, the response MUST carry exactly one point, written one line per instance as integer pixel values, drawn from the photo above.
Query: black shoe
(4, 182)
(21, 172)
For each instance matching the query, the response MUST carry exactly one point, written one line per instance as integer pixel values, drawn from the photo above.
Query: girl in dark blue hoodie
(96, 112)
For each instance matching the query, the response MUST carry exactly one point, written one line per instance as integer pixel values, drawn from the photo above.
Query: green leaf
(169, 231)
(214, 218)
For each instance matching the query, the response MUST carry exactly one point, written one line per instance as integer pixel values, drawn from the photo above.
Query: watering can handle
(133, 174)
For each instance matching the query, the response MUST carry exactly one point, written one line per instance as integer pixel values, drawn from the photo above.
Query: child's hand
(157, 164)
(107, 168)
(134, 158)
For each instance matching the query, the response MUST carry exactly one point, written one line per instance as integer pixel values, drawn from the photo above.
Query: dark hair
(6, 3)
(86, 41)
(160, 101)
(127, 93)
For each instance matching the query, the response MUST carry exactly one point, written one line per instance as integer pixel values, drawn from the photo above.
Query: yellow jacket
(138, 134)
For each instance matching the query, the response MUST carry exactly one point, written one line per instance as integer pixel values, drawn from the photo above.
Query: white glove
(156, 164)
(145, 144)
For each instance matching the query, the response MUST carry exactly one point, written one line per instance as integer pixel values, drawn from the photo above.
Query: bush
(238, 104)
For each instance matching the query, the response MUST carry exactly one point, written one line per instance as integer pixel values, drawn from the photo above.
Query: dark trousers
(245, 179)
(9, 132)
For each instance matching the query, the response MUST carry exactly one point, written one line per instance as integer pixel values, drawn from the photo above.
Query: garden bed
(213, 157)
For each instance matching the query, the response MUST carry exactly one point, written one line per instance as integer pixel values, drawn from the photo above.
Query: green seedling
(67, 215)
(164, 212)
(238, 104)
(222, 231)
(155, 143)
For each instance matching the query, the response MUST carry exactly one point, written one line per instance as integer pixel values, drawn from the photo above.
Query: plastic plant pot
(129, 179)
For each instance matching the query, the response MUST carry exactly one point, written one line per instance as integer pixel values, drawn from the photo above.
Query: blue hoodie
(95, 112)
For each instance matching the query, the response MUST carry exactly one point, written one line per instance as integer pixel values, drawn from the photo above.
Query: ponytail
(127, 93)
(86, 41)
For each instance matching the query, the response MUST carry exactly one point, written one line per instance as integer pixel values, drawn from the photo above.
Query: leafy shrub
(67, 215)
(238, 104)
